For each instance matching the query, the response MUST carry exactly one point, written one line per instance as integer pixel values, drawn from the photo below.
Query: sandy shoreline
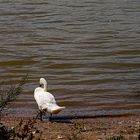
(98, 128)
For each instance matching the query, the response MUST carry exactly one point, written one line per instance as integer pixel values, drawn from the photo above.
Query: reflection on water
(87, 50)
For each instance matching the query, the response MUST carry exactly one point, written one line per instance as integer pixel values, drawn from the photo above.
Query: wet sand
(96, 128)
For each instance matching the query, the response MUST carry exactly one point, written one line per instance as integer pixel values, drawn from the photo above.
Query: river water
(88, 50)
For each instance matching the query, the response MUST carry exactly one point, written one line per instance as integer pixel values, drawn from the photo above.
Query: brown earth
(125, 127)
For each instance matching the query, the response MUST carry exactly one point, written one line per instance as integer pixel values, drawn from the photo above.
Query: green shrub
(75, 131)
(9, 94)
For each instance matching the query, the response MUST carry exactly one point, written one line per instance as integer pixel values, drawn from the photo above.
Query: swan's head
(42, 82)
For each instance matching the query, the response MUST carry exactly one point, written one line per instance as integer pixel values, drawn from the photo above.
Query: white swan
(45, 100)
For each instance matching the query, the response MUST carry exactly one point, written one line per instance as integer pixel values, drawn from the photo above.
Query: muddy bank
(126, 127)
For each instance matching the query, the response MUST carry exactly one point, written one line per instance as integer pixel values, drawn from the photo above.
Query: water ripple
(87, 50)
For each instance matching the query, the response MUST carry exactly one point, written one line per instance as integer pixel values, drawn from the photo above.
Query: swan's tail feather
(57, 109)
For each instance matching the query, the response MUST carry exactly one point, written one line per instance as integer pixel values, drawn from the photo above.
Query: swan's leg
(41, 113)
(38, 113)
(50, 117)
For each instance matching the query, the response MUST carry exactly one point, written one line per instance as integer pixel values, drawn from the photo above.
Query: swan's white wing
(43, 98)
(50, 97)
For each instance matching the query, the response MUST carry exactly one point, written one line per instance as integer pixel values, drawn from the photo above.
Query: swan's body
(45, 100)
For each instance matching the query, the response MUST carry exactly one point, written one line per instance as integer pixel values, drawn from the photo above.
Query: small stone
(12, 127)
(119, 122)
(60, 137)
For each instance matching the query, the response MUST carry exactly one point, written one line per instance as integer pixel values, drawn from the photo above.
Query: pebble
(60, 137)
(119, 122)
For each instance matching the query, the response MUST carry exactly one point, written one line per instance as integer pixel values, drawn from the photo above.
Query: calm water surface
(88, 50)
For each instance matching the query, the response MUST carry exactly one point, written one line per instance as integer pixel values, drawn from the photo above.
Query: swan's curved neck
(45, 86)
